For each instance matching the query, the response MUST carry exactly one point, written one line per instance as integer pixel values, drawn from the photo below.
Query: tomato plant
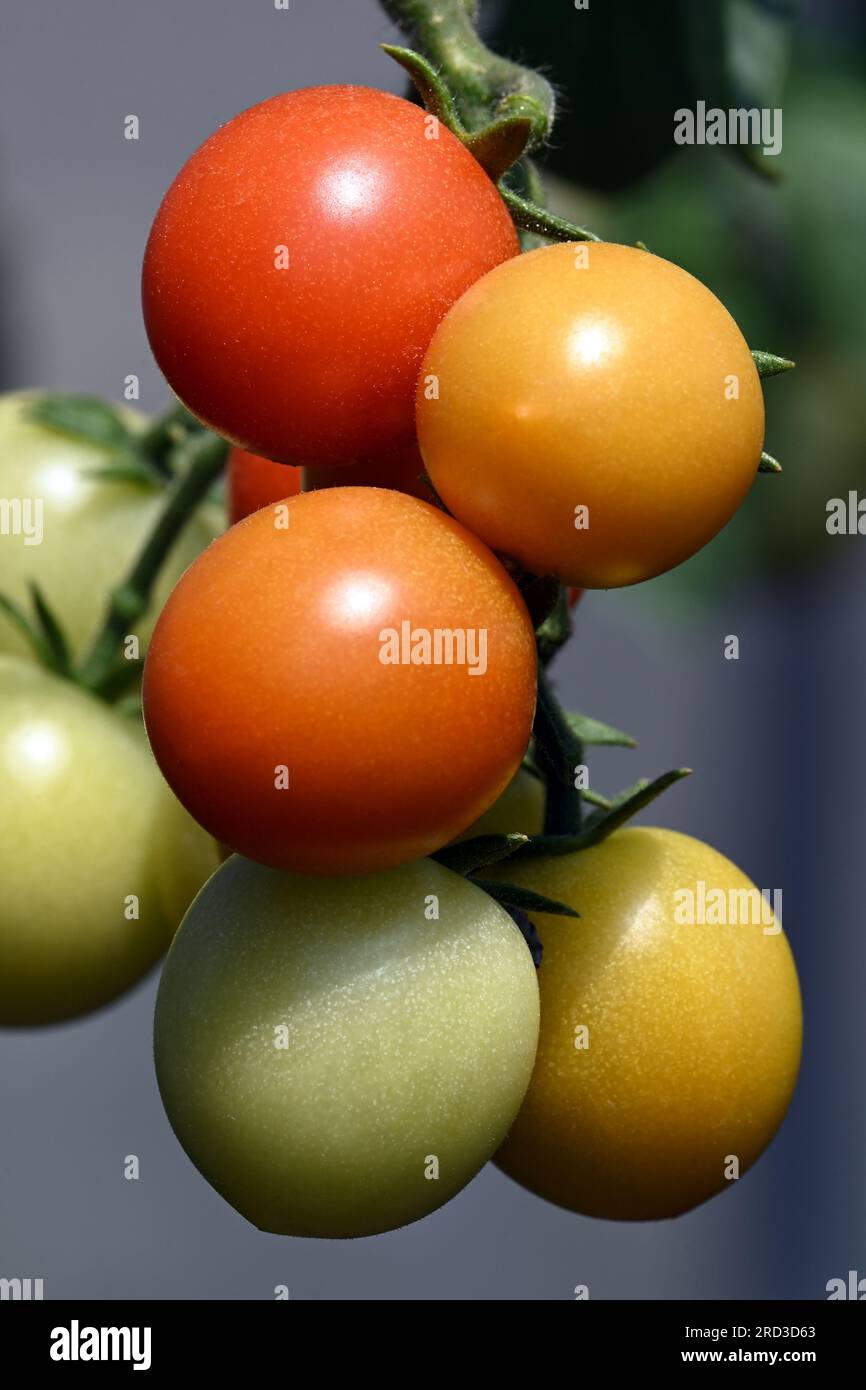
(339, 224)
(371, 1055)
(98, 861)
(309, 692)
(593, 412)
(89, 526)
(666, 1045)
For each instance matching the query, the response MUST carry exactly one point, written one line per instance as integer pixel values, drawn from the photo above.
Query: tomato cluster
(425, 425)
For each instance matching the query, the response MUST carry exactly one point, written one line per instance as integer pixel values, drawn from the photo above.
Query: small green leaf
(500, 145)
(596, 798)
(468, 855)
(86, 418)
(511, 895)
(768, 364)
(597, 735)
(604, 821)
(769, 465)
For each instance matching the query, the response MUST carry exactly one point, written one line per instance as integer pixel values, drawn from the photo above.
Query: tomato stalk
(202, 459)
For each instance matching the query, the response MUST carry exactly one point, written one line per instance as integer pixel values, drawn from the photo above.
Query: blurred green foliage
(786, 255)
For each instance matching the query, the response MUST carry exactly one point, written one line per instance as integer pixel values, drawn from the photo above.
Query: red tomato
(403, 471)
(254, 482)
(574, 596)
(301, 261)
(291, 705)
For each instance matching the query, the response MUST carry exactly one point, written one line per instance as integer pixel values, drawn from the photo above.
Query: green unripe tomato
(89, 836)
(336, 1059)
(91, 528)
(519, 809)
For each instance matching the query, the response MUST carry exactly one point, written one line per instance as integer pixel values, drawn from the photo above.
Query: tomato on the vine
(98, 861)
(591, 411)
(670, 1028)
(89, 528)
(340, 1056)
(342, 682)
(255, 482)
(300, 262)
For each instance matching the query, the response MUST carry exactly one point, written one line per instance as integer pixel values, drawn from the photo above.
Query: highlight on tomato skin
(597, 413)
(309, 202)
(343, 682)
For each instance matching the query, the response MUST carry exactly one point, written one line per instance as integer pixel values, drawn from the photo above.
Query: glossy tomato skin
(598, 377)
(92, 528)
(319, 1042)
(253, 482)
(300, 262)
(267, 666)
(86, 825)
(693, 1032)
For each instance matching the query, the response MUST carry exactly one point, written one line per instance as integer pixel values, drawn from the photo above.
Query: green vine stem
(485, 87)
(201, 461)
(558, 752)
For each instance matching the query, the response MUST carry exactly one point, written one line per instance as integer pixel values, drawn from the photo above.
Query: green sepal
(768, 364)
(768, 464)
(468, 855)
(531, 218)
(604, 821)
(431, 89)
(597, 735)
(512, 895)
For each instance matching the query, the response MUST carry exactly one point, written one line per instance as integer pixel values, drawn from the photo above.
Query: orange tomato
(591, 411)
(298, 694)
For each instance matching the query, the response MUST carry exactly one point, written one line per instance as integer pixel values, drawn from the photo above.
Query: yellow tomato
(668, 1051)
(592, 411)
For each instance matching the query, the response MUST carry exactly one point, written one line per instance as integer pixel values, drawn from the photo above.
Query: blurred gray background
(776, 738)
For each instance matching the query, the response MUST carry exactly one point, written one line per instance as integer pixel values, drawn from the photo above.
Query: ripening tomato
(98, 862)
(84, 531)
(341, 683)
(255, 482)
(669, 1042)
(300, 262)
(339, 1057)
(591, 411)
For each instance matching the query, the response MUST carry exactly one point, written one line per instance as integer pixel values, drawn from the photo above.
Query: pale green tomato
(90, 836)
(519, 810)
(90, 529)
(336, 1059)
